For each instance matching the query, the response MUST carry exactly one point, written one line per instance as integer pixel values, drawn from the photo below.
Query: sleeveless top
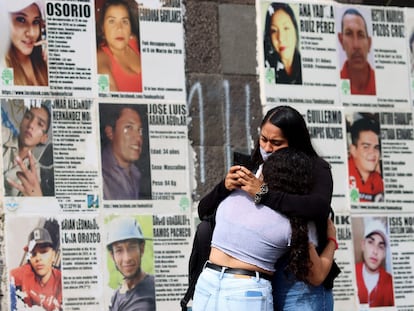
(252, 233)
(126, 82)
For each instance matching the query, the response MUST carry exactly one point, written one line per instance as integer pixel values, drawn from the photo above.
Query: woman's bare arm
(321, 264)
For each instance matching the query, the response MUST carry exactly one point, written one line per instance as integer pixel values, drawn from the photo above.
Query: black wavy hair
(290, 170)
(293, 128)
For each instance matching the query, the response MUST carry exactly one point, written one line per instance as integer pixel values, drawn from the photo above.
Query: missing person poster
(97, 163)
(150, 143)
(380, 150)
(146, 58)
(297, 56)
(373, 52)
(56, 57)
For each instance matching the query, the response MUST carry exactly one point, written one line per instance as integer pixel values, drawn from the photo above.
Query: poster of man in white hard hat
(130, 263)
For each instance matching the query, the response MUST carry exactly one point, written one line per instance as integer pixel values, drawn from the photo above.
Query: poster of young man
(35, 275)
(27, 148)
(380, 148)
(125, 152)
(130, 262)
(373, 261)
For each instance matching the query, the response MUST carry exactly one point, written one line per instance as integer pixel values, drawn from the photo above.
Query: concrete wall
(222, 82)
(222, 85)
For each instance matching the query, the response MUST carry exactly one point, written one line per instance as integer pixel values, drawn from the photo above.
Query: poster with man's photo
(130, 262)
(35, 276)
(125, 157)
(380, 149)
(373, 261)
(372, 52)
(365, 172)
(27, 148)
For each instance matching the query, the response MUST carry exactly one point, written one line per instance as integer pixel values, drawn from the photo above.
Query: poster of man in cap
(35, 276)
(131, 263)
(373, 261)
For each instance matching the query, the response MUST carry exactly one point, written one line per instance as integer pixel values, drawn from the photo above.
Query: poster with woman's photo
(26, 58)
(50, 49)
(140, 49)
(298, 52)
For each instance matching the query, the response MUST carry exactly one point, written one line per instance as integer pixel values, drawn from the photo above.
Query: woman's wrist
(334, 241)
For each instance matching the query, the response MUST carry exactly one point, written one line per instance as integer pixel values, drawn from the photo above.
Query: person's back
(250, 232)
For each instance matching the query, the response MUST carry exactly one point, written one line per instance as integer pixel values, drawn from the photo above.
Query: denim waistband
(238, 271)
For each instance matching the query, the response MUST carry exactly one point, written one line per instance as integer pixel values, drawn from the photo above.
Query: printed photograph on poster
(118, 46)
(5, 26)
(34, 261)
(355, 50)
(373, 261)
(410, 42)
(281, 45)
(130, 262)
(125, 159)
(365, 178)
(411, 46)
(298, 49)
(27, 148)
(27, 54)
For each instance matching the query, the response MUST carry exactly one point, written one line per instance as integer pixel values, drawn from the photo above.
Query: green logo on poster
(184, 203)
(103, 83)
(345, 87)
(7, 76)
(270, 75)
(354, 194)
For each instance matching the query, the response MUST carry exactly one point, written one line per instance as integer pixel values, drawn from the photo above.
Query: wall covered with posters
(118, 116)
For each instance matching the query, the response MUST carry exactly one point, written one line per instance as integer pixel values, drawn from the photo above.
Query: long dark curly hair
(290, 170)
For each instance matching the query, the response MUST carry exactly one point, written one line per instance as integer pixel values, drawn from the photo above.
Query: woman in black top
(283, 127)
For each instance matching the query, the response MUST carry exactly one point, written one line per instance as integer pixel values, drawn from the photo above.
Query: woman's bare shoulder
(104, 62)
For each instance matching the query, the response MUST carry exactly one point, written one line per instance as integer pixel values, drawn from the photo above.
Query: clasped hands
(239, 177)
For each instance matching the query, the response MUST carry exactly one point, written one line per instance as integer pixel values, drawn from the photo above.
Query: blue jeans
(219, 291)
(292, 295)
